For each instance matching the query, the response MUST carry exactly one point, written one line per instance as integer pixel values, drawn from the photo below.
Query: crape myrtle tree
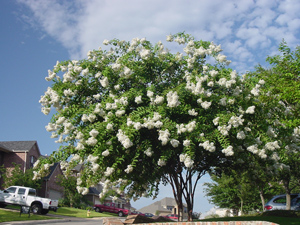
(138, 115)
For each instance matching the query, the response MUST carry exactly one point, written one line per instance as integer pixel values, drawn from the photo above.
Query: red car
(137, 213)
(172, 216)
(111, 207)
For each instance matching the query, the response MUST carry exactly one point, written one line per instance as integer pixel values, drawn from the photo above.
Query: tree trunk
(261, 194)
(288, 201)
(286, 184)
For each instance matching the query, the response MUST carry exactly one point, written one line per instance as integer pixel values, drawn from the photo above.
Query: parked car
(278, 202)
(111, 207)
(137, 213)
(172, 216)
(149, 215)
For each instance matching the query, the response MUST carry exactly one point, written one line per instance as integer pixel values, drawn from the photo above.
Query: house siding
(51, 184)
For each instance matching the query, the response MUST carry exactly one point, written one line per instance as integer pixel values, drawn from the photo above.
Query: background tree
(138, 115)
(282, 85)
(17, 176)
(71, 197)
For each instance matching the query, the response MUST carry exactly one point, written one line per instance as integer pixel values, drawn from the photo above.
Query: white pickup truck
(26, 196)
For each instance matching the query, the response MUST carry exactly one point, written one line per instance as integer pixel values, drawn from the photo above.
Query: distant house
(26, 153)
(50, 186)
(93, 195)
(164, 207)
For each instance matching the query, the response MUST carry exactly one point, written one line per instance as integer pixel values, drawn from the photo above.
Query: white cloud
(82, 25)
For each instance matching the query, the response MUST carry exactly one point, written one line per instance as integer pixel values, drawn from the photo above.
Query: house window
(32, 161)
(170, 207)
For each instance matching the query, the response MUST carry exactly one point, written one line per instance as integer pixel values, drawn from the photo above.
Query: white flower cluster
(182, 128)
(50, 98)
(250, 110)
(129, 169)
(149, 122)
(272, 145)
(82, 190)
(224, 130)
(228, 151)
(186, 159)
(125, 141)
(109, 171)
(209, 146)
(149, 152)
(105, 153)
(175, 143)
(241, 135)
(161, 162)
(164, 136)
(236, 121)
(173, 99)
(193, 112)
(255, 150)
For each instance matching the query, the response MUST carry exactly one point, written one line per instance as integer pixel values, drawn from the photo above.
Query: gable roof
(4, 149)
(51, 170)
(160, 206)
(13, 146)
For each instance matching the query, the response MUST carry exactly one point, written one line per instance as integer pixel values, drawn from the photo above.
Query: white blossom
(216, 121)
(148, 152)
(209, 146)
(110, 126)
(91, 141)
(109, 171)
(228, 151)
(129, 169)
(145, 53)
(161, 162)
(241, 135)
(125, 141)
(173, 99)
(79, 146)
(104, 82)
(186, 143)
(250, 110)
(105, 153)
(138, 99)
(158, 100)
(205, 105)
(188, 162)
(164, 136)
(193, 112)
(94, 133)
(175, 143)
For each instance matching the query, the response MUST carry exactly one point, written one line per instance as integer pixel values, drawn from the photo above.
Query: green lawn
(274, 219)
(6, 215)
(66, 211)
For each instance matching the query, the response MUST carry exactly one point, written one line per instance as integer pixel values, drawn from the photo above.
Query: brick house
(93, 195)
(26, 153)
(164, 207)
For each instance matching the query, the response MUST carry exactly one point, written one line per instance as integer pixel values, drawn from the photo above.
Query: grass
(6, 216)
(66, 211)
(14, 214)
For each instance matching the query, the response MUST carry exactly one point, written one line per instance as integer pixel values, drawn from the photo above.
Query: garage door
(53, 194)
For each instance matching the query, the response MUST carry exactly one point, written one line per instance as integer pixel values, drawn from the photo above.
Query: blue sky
(35, 34)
